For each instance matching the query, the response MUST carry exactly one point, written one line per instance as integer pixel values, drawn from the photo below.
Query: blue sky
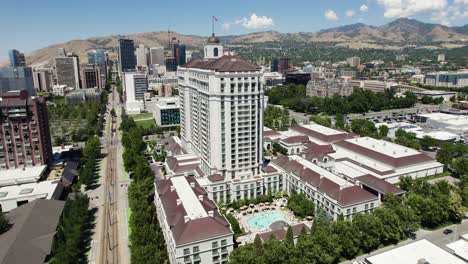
(30, 24)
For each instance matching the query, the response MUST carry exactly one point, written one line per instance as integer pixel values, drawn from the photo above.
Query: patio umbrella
(267, 203)
(309, 218)
(261, 204)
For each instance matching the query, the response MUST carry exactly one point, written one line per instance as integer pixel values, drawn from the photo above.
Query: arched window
(325, 160)
(298, 150)
(314, 161)
(215, 52)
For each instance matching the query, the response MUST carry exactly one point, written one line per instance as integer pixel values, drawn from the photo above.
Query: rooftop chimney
(192, 184)
(186, 218)
(179, 201)
(172, 188)
(200, 197)
(211, 213)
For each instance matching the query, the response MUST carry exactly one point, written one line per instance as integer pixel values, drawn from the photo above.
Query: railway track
(109, 247)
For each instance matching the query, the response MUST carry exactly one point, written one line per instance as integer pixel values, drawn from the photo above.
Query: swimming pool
(262, 220)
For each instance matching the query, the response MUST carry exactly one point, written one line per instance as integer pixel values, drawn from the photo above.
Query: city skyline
(233, 18)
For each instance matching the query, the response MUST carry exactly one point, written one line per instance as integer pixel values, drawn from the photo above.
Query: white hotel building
(135, 85)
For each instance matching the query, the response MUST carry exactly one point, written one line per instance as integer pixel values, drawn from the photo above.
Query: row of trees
(146, 240)
(73, 232)
(425, 205)
(89, 160)
(360, 101)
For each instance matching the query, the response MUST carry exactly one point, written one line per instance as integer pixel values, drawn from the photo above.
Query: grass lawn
(146, 123)
(142, 116)
(129, 213)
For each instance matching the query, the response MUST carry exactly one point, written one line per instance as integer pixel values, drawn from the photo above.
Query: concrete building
(441, 58)
(126, 53)
(60, 90)
(80, 96)
(156, 56)
(43, 79)
(460, 247)
(446, 95)
(354, 62)
(14, 196)
(17, 58)
(194, 230)
(375, 86)
(421, 251)
(167, 112)
(457, 124)
(67, 71)
(97, 57)
(330, 87)
(221, 100)
(273, 79)
(447, 79)
(141, 53)
(18, 78)
(24, 132)
(135, 87)
(92, 77)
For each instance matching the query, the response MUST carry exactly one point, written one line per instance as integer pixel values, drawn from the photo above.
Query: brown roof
(320, 136)
(269, 169)
(378, 184)
(296, 139)
(269, 133)
(215, 178)
(175, 165)
(314, 150)
(187, 231)
(281, 234)
(30, 238)
(395, 162)
(223, 64)
(353, 195)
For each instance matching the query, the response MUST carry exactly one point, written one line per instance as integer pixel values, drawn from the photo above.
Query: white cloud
(406, 8)
(350, 13)
(331, 15)
(364, 8)
(254, 22)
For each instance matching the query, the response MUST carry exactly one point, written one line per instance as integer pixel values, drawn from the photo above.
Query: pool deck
(252, 231)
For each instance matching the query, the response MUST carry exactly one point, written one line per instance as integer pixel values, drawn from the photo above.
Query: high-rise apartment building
(221, 101)
(16, 78)
(354, 62)
(92, 77)
(136, 85)
(127, 59)
(181, 56)
(97, 57)
(67, 69)
(43, 79)
(283, 65)
(156, 56)
(24, 131)
(171, 64)
(17, 58)
(141, 54)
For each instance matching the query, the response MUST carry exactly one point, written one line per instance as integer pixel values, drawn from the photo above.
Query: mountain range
(394, 35)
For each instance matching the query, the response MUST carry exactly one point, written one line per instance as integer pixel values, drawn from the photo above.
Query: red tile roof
(216, 178)
(354, 195)
(281, 234)
(176, 166)
(295, 139)
(223, 64)
(269, 169)
(269, 133)
(379, 184)
(187, 231)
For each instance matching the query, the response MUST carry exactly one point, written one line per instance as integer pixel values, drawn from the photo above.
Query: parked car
(448, 231)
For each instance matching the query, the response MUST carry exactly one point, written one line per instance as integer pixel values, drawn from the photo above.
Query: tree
(349, 238)
(340, 122)
(300, 205)
(4, 223)
(383, 131)
(259, 250)
(460, 166)
(363, 127)
(289, 237)
(321, 120)
(427, 142)
(244, 255)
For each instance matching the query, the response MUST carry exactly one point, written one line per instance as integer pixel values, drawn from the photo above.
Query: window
(215, 52)
(214, 244)
(186, 251)
(196, 249)
(223, 242)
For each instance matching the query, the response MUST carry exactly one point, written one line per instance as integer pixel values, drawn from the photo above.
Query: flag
(214, 18)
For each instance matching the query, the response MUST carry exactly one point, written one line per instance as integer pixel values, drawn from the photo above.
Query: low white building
(194, 230)
(460, 247)
(59, 90)
(457, 124)
(435, 94)
(21, 175)
(421, 251)
(166, 111)
(16, 195)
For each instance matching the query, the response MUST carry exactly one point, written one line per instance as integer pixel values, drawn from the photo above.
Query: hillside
(396, 34)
